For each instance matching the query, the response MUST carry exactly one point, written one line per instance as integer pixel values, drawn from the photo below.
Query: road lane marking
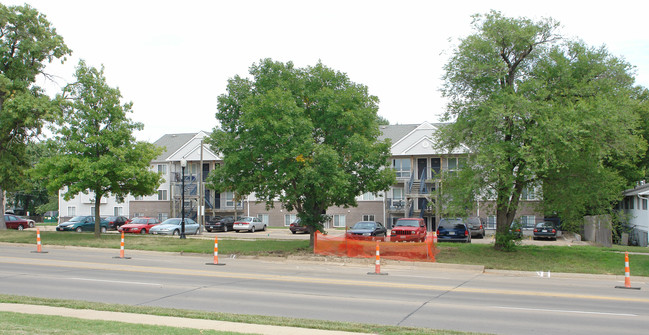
(299, 279)
(563, 311)
(114, 281)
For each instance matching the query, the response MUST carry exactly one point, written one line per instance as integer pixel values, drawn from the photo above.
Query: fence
(404, 251)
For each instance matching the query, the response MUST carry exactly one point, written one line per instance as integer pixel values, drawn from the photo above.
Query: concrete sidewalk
(243, 328)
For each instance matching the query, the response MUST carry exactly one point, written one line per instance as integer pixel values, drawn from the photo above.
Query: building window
(401, 167)
(162, 195)
(229, 200)
(528, 221)
(529, 193)
(644, 204)
(289, 218)
(368, 196)
(72, 211)
(163, 216)
(631, 203)
(339, 220)
(368, 217)
(491, 222)
(118, 211)
(162, 168)
(264, 219)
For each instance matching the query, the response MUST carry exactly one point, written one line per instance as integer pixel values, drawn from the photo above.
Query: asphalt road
(411, 295)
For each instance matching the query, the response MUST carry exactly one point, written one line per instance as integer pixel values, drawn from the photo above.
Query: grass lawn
(570, 259)
(16, 323)
(573, 259)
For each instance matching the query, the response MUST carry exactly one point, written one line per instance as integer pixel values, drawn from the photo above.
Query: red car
(409, 229)
(14, 222)
(139, 225)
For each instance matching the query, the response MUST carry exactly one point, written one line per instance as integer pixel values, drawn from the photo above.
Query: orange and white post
(216, 252)
(121, 248)
(377, 263)
(627, 274)
(39, 248)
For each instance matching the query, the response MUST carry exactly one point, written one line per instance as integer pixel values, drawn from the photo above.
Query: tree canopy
(538, 110)
(27, 43)
(95, 147)
(306, 137)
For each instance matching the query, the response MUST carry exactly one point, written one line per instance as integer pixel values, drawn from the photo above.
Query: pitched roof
(395, 131)
(171, 143)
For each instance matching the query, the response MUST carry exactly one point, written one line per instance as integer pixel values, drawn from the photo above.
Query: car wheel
(208, 230)
(252, 230)
(79, 229)
(176, 232)
(102, 229)
(225, 228)
(143, 231)
(20, 227)
(31, 225)
(293, 231)
(264, 228)
(238, 231)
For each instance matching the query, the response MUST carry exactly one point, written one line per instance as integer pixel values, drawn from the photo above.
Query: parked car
(409, 229)
(516, 229)
(174, 226)
(453, 230)
(15, 222)
(297, 226)
(367, 230)
(476, 227)
(545, 230)
(139, 225)
(249, 223)
(82, 223)
(219, 223)
(115, 222)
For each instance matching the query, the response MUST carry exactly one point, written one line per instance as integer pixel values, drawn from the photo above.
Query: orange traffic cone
(627, 274)
(377, 264)
(216, 252)
(39, 248)
(121, 249)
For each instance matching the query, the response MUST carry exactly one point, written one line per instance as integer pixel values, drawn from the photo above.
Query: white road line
(563, 311)
(116, 281)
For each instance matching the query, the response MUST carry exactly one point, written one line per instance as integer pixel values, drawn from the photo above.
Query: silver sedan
(173, 227)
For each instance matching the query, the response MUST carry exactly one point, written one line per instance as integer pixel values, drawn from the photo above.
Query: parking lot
(285, 234)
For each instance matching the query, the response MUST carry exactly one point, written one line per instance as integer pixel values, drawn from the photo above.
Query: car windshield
(451, 224)
(407, 223)
(139, 221)
(173, 221)
(78, 219)
(545, 225)
(363, 225)
(249, 219)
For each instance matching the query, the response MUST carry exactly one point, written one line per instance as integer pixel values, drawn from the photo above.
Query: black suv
(219, 223)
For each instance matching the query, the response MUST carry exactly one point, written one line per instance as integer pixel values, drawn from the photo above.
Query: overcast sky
(172, 59)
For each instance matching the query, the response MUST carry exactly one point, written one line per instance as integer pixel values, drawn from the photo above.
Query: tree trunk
(3, 224)
(97, 217)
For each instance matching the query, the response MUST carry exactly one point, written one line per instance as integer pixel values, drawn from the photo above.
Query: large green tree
(306, 137)
(95, 147)
(27, 43)
(537, 110)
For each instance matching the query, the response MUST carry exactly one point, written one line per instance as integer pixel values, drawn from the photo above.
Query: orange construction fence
(366, 248)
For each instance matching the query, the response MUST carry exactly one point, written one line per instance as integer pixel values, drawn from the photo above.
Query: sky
(172, 59)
